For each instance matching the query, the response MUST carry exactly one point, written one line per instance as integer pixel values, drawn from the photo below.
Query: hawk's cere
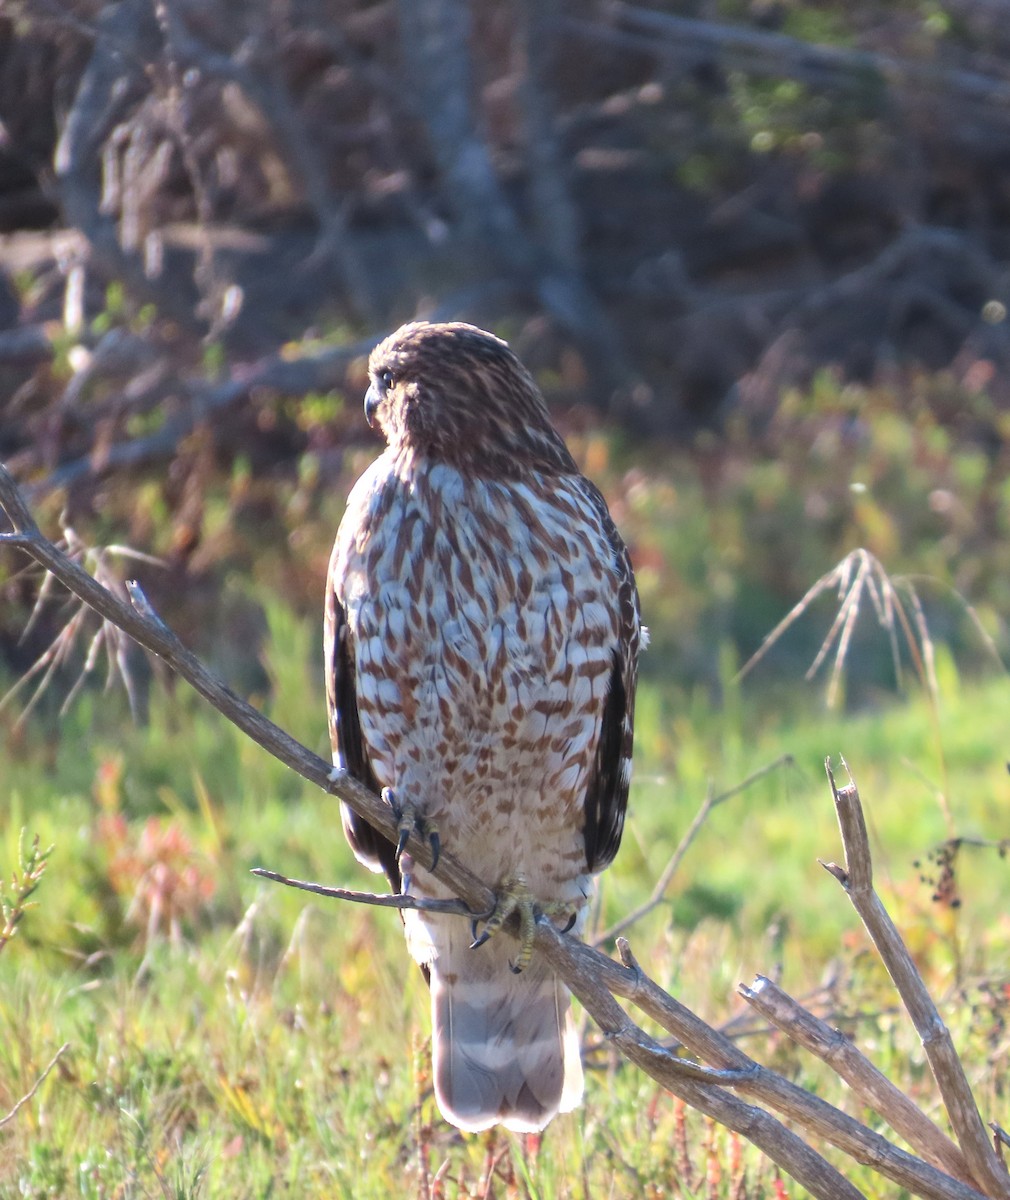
(482, 637)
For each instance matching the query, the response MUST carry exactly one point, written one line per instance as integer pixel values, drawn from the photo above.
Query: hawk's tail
(504, 1045)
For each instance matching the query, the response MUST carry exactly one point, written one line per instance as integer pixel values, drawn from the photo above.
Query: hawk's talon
(405, 832)
(571, 923)
(514, 897)
(408, 821)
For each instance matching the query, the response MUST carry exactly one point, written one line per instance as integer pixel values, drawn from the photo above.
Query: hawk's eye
(386, 380)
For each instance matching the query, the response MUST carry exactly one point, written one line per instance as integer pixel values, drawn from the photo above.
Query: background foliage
(755, 254)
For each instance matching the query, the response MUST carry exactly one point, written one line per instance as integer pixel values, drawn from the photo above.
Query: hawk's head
(454, 393)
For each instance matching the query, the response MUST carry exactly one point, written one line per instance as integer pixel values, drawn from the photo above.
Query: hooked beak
(372, 401)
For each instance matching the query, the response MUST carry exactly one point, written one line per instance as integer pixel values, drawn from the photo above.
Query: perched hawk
(482, 637)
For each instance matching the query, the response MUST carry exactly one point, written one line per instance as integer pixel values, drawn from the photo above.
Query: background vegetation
(756, 256)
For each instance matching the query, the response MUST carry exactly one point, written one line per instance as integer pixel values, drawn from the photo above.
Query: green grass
(241, 1041)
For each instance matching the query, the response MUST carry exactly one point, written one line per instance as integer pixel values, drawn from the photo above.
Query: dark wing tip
(370, 847)
(607, 795)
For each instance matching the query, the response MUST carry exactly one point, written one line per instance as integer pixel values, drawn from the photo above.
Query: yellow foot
(408, 821)
(514, 897)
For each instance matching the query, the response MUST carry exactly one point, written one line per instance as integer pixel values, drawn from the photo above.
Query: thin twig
(35, 1086)
(379, 900)
(670, 870)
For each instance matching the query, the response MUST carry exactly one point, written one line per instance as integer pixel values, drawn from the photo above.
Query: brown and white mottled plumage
(482, 637)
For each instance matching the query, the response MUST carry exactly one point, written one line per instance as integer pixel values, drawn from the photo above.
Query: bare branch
(810, 1112)
(146, 628)
(594, 979)
(710, 802)
(768, 53)
(311, 372)
(379, 900)
(857, 879)
(35, 1086)
(872, 1087)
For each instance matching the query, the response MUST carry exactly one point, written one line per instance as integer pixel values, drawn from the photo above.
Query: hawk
(482, 633)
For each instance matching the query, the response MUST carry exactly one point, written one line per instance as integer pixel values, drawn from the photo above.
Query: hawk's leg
(408, 821)
(514, 897)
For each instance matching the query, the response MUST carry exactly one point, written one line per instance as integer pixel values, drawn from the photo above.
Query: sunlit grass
(273, 1046)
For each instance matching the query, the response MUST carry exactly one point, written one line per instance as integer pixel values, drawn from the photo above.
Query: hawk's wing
(349, 750)
(607, 793)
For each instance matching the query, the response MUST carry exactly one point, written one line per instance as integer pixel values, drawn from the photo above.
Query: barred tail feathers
(504, 1046)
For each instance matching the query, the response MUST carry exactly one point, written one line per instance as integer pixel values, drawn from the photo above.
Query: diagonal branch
(397, 900)
(35, 1086)
(146, 628)
(856, 877)
(872, 1087)
(765, 1086)
(594, 980)
(710, 802)
(567, 956)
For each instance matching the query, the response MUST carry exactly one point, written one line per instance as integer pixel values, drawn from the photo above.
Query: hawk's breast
(484, 619)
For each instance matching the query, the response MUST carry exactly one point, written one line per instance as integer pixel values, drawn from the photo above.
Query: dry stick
(35, 1086)
(779, 54)
(378, 900)
(809, 1111)
(857, 880)
(567, 956)
(146, 628)
(737, 1070)
(311, 372)
(710, 802)
(584, 970)
(872, 1087)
